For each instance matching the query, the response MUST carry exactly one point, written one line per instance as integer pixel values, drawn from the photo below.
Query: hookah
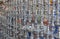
(54, 26)
(59, 15)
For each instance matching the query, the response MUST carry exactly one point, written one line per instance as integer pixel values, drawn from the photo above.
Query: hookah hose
(56, 27)
(29, 35)
(55, 38)
(41, 37)
(56, 30)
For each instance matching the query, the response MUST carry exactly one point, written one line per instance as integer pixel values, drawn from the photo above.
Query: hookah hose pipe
(29, 35)
(55, 38)
(56, 30)
(41, 37)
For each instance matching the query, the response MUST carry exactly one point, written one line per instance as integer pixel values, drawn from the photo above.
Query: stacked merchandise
(30, 19)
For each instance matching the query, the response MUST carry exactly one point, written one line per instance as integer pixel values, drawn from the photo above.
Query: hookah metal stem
(38, 2)
(51, 17)
(36, 17)
(18, 17)
(54, 8)
(44, 12)
(50, 13)
(48, 34)
(37, 14)
(45, 16)
(48, 19)
(8, 17)
(24, 13)
(59, 32)
(16, 22)
(53, 21)
(38, 26)
(41, 14)
(58, 12)
(10, 21)
(29, 37)
(20, 12)
(42, 35)
(15, 26)
(29, 10)
(32, 14)
(43, 7)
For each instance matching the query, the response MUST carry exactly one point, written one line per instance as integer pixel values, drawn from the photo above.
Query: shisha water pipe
(54, 27)
(46, 21)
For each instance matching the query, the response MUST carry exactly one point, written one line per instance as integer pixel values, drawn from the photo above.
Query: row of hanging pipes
(28, 13)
